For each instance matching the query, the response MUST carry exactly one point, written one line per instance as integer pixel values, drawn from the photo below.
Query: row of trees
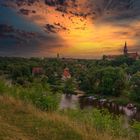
(118, 77)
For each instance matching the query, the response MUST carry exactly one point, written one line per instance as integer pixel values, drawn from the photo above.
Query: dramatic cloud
(74, 28)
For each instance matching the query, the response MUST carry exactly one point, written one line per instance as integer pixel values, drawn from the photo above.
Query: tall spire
(125, 49)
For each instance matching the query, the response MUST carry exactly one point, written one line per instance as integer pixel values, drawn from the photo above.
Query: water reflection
(69, 101)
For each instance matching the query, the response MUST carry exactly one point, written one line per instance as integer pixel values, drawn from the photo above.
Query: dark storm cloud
(54, 28)
(58, 2)
(19, 36)
(27, 12)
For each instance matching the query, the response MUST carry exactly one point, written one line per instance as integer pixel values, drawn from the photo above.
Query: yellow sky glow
(84, 37)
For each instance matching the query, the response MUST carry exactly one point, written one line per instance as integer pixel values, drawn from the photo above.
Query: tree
(69, 86)
(109, 81)
(123, 60)
(135, 84)
(135, 67)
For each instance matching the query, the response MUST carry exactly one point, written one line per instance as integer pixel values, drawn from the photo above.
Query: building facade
(133, 55)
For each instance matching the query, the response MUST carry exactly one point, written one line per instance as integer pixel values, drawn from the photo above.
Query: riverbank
(32, 113)
(69, 101)
(19, 120)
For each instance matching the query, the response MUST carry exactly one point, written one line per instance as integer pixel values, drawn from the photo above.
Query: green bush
(47, 102)
(3, 87)
(136, 126)
(38, 94)
(135, 85)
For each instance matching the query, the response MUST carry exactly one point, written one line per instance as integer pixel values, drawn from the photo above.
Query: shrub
(38, 94)
(136, 128)
(3, 87)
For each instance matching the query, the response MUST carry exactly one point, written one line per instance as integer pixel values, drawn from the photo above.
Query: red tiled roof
(66, 73)
(133, 55)
(37, 70)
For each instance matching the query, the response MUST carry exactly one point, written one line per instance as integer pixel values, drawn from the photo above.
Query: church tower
(125, 51)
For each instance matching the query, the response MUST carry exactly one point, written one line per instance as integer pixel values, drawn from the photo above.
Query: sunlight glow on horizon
(84, 36)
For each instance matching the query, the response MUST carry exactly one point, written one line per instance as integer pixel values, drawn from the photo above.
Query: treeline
(119, 77)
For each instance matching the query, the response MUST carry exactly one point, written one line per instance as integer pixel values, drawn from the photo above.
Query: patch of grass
(22, 115)
(33, 122)
(102, 121)
(23, 121)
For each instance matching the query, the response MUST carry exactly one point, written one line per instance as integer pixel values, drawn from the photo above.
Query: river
(86, 102)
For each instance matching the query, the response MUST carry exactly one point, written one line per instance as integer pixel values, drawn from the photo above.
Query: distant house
(37, 70)
(133, 55)
(66, 74)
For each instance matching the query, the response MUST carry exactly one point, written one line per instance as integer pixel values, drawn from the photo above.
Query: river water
(73, 102)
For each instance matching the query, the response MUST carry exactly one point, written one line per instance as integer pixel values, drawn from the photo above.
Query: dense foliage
(39, 95)
(118, 78)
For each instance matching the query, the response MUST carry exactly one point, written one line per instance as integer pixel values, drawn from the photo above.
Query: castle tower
(125, 51)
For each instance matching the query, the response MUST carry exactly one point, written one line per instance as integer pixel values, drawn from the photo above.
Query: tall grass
(99, 121)
(103, 121)
(38, 94)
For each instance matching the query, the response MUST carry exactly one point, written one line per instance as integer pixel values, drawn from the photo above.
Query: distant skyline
(72, 28)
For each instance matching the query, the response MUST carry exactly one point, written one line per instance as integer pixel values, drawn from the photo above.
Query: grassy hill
(30, 113)
(22, 121)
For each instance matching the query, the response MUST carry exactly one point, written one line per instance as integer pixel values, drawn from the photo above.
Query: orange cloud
(83, 36)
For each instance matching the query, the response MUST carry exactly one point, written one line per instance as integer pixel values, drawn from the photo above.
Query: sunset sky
(73, 28)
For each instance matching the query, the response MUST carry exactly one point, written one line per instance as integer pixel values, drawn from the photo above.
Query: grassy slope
(22, 121)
